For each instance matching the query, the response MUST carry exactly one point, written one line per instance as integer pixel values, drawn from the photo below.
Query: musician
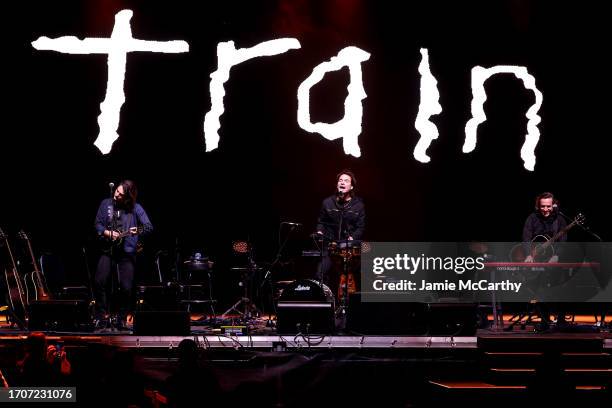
(120, 223)
(342, 217)
(543, 222)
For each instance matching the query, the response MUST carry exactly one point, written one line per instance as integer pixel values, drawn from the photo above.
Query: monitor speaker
(162, 323)
(384, 318)
(59, 315)
(452, 319)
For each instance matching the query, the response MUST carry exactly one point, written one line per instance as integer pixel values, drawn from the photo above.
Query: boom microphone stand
(114, 322)
(268, 275)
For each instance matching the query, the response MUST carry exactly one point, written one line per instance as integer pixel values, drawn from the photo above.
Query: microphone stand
(115, 284)
(268, 275)
(324, 238)
(112, 301)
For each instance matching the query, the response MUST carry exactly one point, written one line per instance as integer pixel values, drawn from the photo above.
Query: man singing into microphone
(120, 223)
(342, 217)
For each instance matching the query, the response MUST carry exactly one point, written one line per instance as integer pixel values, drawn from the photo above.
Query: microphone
(295, 224)
(111, 184)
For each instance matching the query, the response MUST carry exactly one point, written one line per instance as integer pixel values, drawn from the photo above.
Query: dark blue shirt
(111, 217)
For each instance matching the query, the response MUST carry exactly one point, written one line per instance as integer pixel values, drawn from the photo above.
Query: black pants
(114, 277)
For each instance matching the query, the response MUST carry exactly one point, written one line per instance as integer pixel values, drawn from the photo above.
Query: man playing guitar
(120, 222)
(543, 224)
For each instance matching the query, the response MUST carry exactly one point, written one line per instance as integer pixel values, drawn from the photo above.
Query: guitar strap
(129, 221)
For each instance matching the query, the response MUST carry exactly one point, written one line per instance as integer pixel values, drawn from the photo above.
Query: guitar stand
(12, 318)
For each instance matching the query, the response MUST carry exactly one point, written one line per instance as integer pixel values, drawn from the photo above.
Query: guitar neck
(558, 235)
(32, 257)
(127, 233)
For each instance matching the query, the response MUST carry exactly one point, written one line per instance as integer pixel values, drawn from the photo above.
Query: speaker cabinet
(305, 307)
(305, 318)
(411, 318)
(162, 323)
(452, 319)
(373, 318)
(59, 315)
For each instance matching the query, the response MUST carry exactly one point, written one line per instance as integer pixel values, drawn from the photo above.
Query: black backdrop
(266, 168)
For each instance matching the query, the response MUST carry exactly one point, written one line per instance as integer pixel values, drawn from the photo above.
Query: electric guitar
(17, 297)
(541, 246)
(34, 282)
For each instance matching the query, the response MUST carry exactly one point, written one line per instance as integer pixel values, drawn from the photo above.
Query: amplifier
(305, 307)
(305, 318)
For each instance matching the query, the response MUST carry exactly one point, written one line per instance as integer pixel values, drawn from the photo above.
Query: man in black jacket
(544, 222)
(342, 215)
(342, 218)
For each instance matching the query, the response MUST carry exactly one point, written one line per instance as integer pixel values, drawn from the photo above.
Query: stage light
(240, 247)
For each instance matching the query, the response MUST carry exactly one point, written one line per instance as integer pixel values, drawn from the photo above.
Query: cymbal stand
(248, 305)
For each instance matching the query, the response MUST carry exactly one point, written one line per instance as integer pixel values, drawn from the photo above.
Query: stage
(266, 369)
(233, 174)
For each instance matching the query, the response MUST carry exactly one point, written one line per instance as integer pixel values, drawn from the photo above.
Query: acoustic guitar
(34, 282)
(541, 247)
(17, 297)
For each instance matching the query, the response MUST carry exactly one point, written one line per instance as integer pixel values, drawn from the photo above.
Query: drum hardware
(348, 251)
(249, 309)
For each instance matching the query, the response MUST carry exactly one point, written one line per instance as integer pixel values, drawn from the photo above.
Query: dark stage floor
(263, 368)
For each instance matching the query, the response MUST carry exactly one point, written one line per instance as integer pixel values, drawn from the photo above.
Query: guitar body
(16, 294)
(17, 297)
(33, 282)
(540, 249)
